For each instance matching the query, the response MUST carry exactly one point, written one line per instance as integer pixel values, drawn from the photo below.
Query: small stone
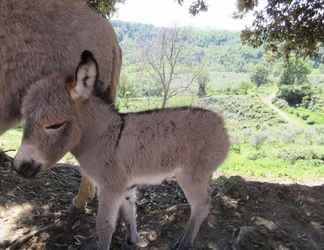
(152, 236)
(142, 243)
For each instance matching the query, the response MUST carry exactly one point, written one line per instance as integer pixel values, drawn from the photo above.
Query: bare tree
(162, 59)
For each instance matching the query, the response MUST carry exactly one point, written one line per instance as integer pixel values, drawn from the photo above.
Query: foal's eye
(55, 126)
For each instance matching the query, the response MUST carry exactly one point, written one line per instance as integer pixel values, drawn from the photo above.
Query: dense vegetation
(286, 26)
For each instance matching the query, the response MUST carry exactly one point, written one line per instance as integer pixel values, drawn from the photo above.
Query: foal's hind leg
(128, 212)
(196, 192)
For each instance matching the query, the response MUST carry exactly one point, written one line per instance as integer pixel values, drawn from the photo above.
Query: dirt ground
(245, 215)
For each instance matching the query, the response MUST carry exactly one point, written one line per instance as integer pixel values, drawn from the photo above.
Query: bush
(260, 75)
(294, 94)
(258, 139)
(295, 72)
(298, 154)
(245, 87)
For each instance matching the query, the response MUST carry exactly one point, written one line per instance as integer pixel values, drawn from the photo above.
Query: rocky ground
(245, 215)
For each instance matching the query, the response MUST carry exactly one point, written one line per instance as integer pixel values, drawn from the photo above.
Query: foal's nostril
(29, 169)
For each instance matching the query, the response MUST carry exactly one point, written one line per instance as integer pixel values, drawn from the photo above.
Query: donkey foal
(118, 151)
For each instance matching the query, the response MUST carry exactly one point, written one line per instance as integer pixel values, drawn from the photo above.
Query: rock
(259, 221)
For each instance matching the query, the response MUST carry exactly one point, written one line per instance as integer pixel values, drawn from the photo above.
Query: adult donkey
(40, 38)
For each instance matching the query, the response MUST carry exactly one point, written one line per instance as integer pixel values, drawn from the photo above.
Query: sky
(170, 13)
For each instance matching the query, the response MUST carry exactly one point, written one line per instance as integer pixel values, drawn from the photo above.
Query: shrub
(294, 94)
(295, 71)
(258, 139)
(260, 76)
(245, 87)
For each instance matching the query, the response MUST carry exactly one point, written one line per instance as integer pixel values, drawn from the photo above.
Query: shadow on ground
(245, 215)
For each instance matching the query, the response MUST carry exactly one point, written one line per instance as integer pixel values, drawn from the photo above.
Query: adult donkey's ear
(86, 76)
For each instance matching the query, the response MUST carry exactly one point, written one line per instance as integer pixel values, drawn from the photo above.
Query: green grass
(313, 116)
(11, 140)
(268, 165)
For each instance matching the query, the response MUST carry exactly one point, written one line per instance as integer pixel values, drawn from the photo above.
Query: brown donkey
(39, 38)
(118, 151)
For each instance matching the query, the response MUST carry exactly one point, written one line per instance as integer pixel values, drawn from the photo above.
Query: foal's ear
(86, 76)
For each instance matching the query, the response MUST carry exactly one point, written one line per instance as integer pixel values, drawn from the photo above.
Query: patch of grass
(11, 140)
(310, 116)
(267, 166)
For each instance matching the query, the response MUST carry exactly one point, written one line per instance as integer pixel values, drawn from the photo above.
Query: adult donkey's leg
(86, 193)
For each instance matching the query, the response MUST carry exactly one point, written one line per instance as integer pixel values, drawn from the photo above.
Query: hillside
(223, 50)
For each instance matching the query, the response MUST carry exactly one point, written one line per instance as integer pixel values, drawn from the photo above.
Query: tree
(260, 75)
(294, 72)
(162, 57)
(105, 7)
(287, 26)
(196, 6)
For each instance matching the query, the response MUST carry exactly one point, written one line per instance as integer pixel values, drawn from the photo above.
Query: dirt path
(267, 100)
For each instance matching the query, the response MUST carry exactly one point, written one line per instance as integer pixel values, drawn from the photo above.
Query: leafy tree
(196, 6)
(295, 71)
(260, 75)
(105, 7)
(286, 26)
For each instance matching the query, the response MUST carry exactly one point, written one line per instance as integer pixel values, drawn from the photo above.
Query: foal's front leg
(108, 208)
